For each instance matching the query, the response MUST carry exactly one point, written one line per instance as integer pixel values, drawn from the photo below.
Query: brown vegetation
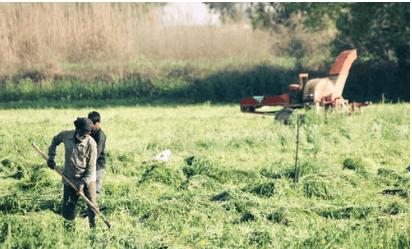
(89, 39)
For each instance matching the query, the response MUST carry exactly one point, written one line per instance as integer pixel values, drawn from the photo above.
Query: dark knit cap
(83, 124)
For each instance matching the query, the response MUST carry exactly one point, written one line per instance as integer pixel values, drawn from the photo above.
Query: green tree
(380, 31)
(381, 34)
(262, 15)
(225, 8)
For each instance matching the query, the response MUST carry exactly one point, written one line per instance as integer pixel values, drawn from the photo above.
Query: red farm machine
(320, 92)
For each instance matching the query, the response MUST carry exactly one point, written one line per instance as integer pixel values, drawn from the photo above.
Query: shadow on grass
(225, 87)
(91, 103)
(182, 88)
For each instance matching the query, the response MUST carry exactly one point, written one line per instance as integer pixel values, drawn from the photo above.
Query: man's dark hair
(94, 116)
(83, 124)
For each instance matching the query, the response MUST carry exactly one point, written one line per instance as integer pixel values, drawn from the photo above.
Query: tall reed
(46, 37)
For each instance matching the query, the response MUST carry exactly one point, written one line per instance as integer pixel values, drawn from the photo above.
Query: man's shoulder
(91, 141)
(67, 133)
(100, 134)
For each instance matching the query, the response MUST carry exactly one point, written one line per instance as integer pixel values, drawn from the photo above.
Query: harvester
(319, 92)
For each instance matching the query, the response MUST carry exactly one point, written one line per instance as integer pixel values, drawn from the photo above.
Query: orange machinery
(325, 92)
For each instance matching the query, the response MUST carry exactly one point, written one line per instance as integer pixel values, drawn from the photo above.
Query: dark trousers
(70, 198)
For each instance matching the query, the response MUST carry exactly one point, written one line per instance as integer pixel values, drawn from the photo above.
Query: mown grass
(229, 183)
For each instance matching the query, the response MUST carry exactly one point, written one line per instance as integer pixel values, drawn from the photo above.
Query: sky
(187, 13)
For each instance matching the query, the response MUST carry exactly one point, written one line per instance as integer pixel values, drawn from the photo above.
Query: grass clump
(307, 167)
(199, 166)
(322, 186)
(360, 212)
(205, 167)
(288, 215)
(236, 176)
(385, 172)
(14, 203)
(6, 163)
(263, 190)
(398, 184)
(226, 196)
(355, 164)
(279, 215)
(200, 182)
(395, 208)
(18, 203)
(164, 212)
(260, 239)
(162, 173)
(38, 180)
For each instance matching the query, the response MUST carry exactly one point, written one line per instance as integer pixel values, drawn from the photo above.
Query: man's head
(95, 117)
(83, 126)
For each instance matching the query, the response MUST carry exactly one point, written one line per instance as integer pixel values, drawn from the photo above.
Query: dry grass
(65, 38)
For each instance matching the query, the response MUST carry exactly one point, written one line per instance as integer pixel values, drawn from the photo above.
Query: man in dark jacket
(79, 167)
(98, 135)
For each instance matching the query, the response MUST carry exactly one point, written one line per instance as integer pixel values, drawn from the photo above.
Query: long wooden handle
(96, 210)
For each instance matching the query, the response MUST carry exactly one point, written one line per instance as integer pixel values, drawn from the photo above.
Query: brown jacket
(80, 158)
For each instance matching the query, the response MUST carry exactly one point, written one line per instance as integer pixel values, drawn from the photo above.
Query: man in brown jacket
(80, 166)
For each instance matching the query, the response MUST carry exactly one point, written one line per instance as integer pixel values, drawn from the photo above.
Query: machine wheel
(284, 114)
(251, 109)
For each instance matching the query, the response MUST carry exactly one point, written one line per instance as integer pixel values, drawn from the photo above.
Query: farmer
(98, 135)
(79, 167)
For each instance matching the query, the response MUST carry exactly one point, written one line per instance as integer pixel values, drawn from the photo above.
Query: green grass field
(229, 183)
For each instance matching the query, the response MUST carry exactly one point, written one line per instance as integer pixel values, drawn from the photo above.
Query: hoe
(325, 92)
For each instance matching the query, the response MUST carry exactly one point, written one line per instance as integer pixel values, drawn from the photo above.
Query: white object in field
(164, 156)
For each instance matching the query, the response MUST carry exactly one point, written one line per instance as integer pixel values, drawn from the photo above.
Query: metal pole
(297, 150)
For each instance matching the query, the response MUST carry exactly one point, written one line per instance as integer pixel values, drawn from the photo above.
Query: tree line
(380, 31)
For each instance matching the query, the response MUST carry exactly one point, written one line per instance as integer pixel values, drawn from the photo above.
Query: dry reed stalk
(45, 36)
